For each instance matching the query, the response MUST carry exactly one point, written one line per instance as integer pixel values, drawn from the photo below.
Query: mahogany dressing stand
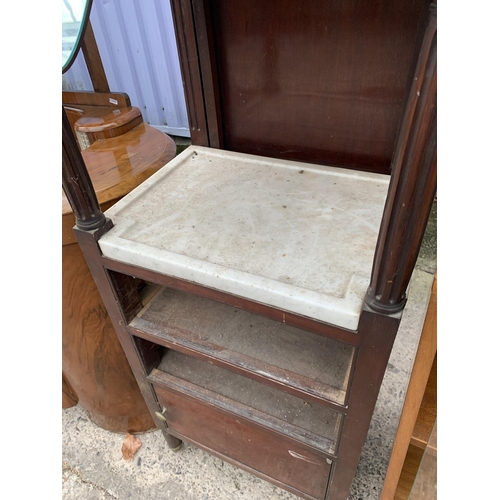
(275, 286)
(120, 151)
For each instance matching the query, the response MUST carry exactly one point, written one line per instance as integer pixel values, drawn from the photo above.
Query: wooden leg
(174, 443)
(378, 333)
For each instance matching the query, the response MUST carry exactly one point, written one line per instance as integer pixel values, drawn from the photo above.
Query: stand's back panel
(322, 81)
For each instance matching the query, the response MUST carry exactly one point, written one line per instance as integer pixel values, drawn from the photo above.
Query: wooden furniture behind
(119, 151)
(419, 414)
(272, 364)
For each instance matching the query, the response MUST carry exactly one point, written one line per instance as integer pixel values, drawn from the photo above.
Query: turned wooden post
(412, 188)
(77, 184)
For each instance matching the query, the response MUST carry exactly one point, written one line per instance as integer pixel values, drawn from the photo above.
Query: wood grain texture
(95, 119)
(87, 241)
(76, 182)
(187, 47)
(118, 165)
(69, 398)
(408, 473)
(244, 341)
(93, 361)
(348, 336)
(419, 379)
(322, 82)
(278, 458)
(427, 413)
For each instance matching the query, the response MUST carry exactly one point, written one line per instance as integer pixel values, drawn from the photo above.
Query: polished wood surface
(408, 473)
(118, 165)
(96, 373)
(103, 122)
(93, 60)
(93, 361)
(85, 98)
(98, 119)
(413, 184)
(321, 82)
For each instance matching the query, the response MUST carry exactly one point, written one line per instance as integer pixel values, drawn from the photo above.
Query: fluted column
(77, 184)
(412, 187)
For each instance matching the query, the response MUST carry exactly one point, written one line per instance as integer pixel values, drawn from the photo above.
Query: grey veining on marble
(93, 467)
(295, 236)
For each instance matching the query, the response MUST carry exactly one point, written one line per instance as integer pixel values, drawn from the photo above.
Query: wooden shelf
(310, 423)
(244, 342)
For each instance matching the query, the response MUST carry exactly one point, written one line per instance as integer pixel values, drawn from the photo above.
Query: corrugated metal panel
(137, 44)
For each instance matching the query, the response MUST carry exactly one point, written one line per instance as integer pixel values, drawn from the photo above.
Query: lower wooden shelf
(242, 341)
(310, 423)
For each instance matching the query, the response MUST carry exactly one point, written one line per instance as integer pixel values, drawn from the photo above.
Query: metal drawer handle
(161, 415)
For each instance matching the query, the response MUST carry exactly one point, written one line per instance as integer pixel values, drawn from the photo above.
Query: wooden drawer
(277, 458)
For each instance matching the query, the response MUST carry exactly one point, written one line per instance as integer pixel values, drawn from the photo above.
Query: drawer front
(273, 455)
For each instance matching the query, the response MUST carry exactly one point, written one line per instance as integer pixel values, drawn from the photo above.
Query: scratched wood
(305, 417)
(320, 365)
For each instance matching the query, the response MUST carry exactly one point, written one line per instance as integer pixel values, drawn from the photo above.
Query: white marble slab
(295, 236)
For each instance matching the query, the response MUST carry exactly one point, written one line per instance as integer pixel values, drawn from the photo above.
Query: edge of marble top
(341, 312)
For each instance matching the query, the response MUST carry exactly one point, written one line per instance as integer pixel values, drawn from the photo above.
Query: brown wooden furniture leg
(378, 333)
(175, 444)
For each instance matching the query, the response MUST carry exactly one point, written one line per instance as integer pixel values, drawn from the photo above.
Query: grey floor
(93, 467)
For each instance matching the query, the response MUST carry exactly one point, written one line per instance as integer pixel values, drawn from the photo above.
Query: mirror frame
(79, 38)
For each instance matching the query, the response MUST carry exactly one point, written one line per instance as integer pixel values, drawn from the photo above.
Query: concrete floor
(93, 467)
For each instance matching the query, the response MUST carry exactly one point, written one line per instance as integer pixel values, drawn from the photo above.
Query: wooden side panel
(277, 457)
(378, 334)
(422, 368)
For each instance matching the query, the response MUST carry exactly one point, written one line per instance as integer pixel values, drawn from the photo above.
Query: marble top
(295, 236)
